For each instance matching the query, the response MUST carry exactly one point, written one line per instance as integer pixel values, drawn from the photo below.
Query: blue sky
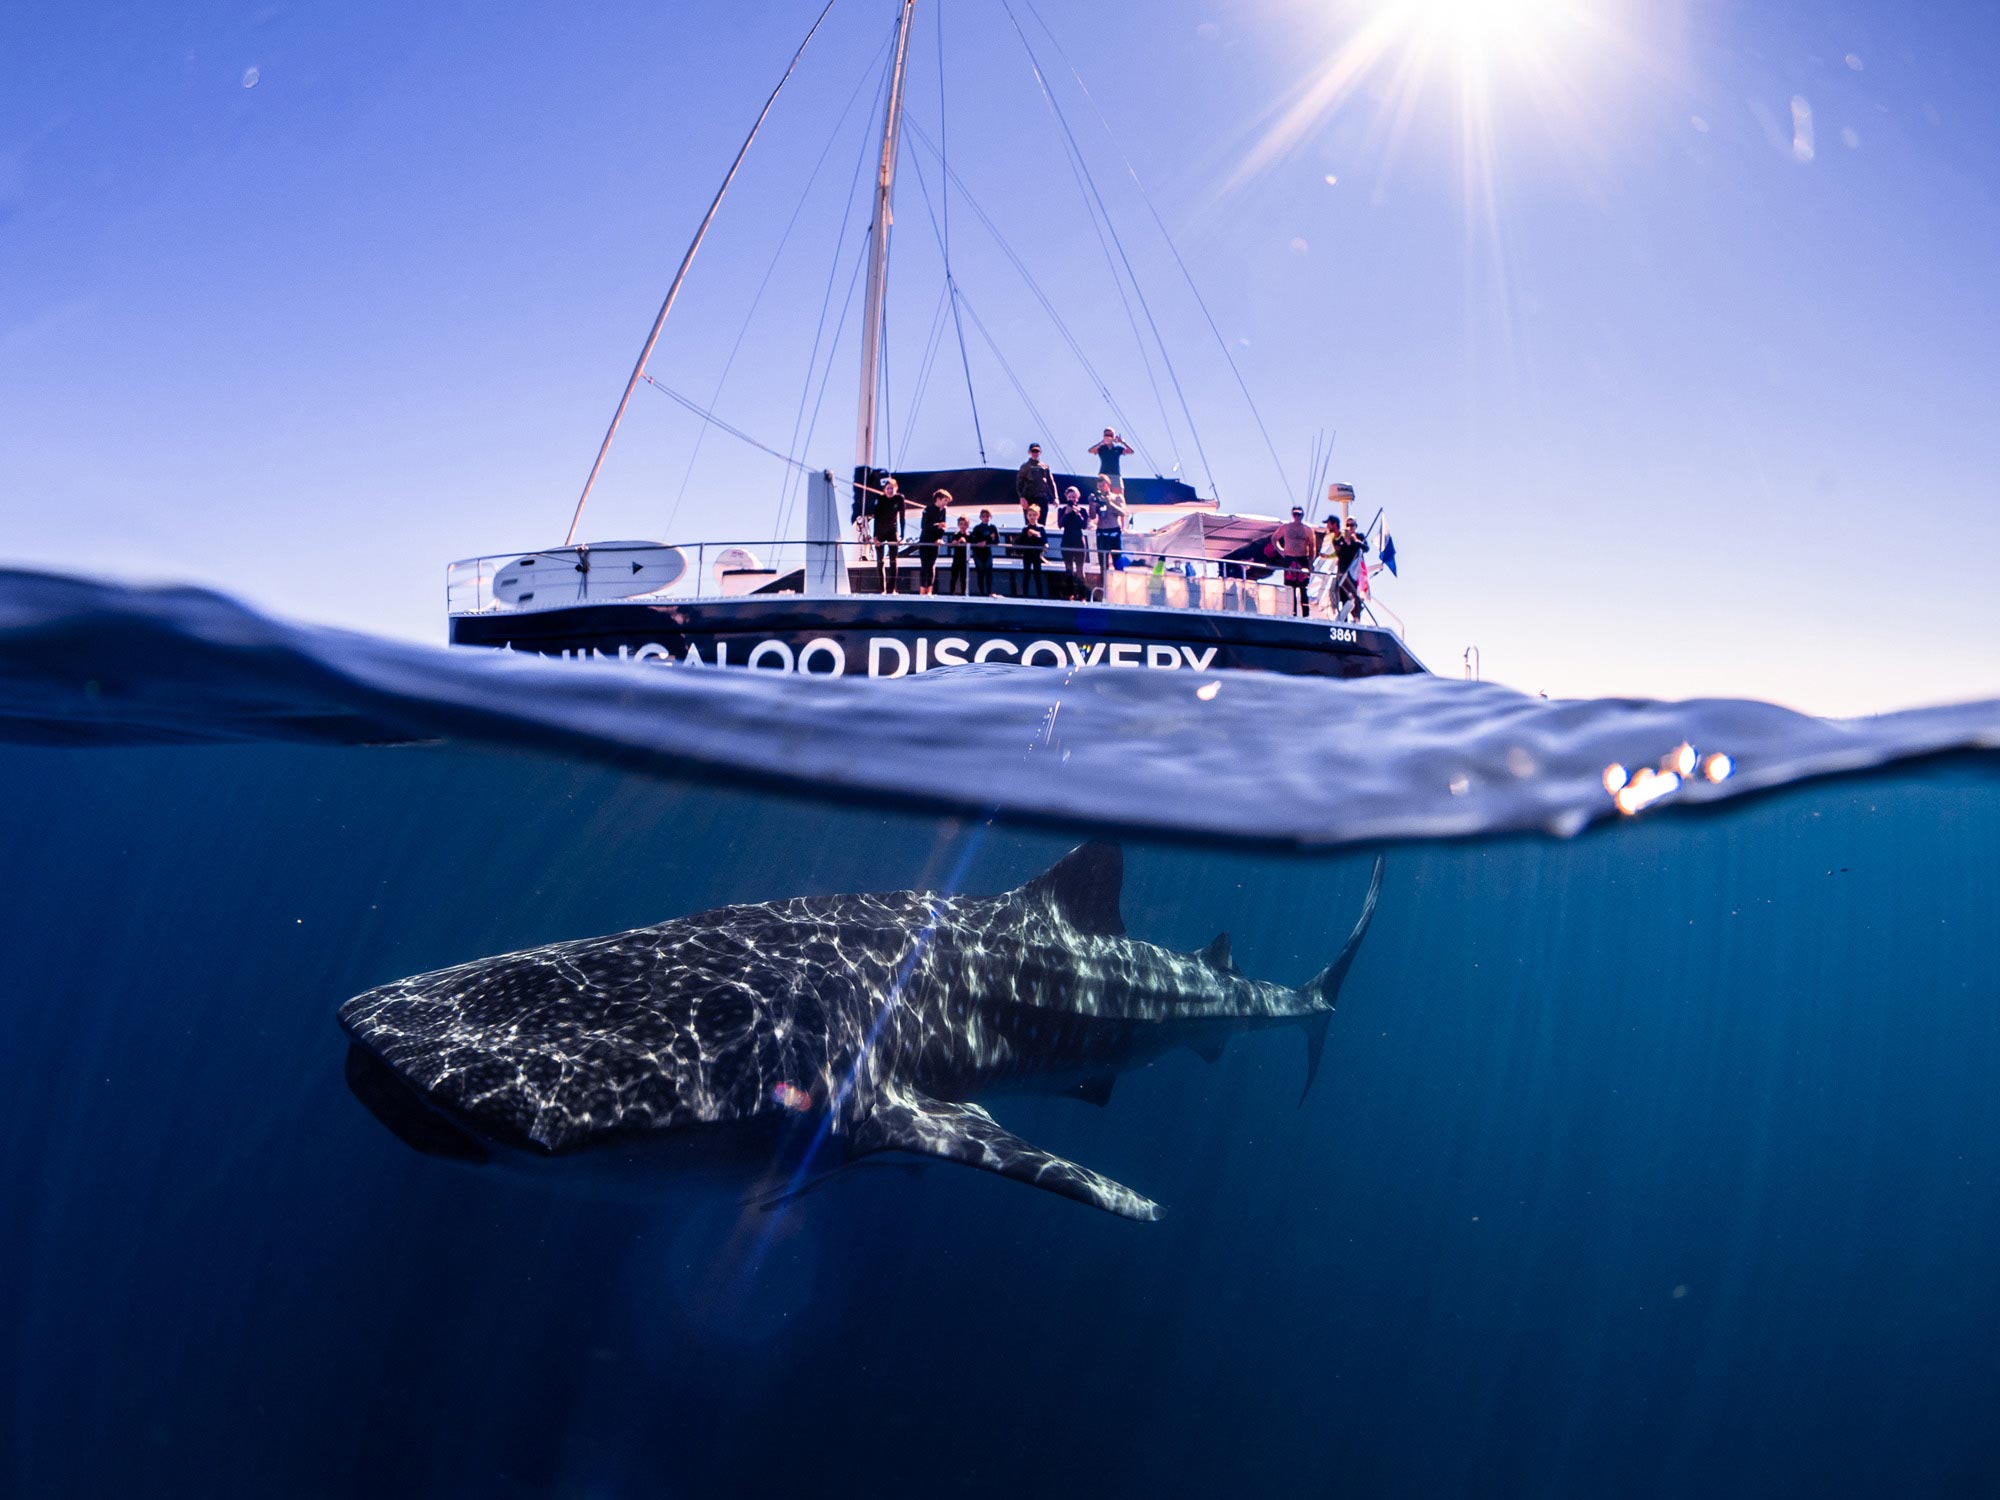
(1674, 355)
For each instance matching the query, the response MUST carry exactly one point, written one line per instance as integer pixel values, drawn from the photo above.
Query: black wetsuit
(957, 544)
(1031, 541)
(929, 534)
(1345, 549)
(1075, 552)
(888, 531)
(984, 535)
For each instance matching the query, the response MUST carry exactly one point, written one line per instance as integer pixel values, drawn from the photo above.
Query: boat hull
(875, 636)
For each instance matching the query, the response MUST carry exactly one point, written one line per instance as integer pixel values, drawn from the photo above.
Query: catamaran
(1180, 585)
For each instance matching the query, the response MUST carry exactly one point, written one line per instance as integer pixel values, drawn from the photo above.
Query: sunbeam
(1407, 59)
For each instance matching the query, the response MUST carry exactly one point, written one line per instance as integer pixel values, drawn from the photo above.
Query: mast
(878, 256)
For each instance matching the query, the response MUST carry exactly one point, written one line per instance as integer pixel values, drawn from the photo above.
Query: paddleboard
(603, 570)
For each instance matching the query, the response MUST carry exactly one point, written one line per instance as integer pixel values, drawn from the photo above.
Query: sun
(1483, 30)
(1409, 62)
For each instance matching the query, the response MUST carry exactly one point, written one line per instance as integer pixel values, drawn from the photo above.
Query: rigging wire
(1028, 278)
(826, 375)
(1019, 389)
(805, 193)
(951, 282)
(710, 419)
(1138, 291)
(1161, 224)
(1081, 172)
(708, 415)
(932, 341)
(687, 262)
(1021, 268)
(789, 488)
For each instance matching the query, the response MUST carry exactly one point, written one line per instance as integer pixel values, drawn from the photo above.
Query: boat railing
(1133, 576)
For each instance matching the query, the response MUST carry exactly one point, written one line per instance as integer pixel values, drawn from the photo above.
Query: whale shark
(793, 1039)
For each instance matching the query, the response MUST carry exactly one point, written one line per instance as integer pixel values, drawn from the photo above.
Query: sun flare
(1483, 29)
(1407, 64)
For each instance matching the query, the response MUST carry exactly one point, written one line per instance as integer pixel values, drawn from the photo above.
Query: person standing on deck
(1075, 549)
(1110, 451)
(1296, 544)
(1034, 485)
(1350, 549)
(1110, 525)
(984, 536)
(889, 507)
(930, 534)
(958, 544)
(1031, 541)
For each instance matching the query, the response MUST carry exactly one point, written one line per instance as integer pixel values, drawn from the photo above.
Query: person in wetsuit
(1075, 549)
(1348, 545)
(984, 537)
(930, 534)
(889, 526)
(1031, 541)
(958, 544)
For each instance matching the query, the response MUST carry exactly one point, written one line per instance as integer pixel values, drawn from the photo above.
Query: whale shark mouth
(390, 1098)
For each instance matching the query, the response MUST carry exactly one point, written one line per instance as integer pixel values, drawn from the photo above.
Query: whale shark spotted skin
(809, 1034)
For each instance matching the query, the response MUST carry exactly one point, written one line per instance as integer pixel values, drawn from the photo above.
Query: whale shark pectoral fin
(1084, 886)
(904, 1120)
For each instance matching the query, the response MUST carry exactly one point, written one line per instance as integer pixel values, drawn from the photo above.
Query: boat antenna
(687, 261)
(878, 254)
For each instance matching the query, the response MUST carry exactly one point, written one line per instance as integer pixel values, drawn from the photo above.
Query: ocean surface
(1654, 1153)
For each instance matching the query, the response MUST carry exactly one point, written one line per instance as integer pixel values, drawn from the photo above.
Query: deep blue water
(1663, 1160)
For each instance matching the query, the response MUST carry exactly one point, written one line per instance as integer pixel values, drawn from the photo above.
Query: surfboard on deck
(602, 570)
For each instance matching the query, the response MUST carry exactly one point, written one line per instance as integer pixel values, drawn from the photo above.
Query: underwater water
(1661, 1159)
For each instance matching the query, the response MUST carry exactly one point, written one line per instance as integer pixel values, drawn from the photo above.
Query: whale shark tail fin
(1324, 988)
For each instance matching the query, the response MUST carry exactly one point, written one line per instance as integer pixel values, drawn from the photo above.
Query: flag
(1388, 552)
(1358, 571)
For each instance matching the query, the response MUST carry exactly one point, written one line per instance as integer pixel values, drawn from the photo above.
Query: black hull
(895, 636)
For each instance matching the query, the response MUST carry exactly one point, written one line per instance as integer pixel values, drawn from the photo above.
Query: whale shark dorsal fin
(901, 1119)
(1216, 954)
(1084, 886)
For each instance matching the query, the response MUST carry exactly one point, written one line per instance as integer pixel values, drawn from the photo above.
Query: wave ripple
(1260, 760)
